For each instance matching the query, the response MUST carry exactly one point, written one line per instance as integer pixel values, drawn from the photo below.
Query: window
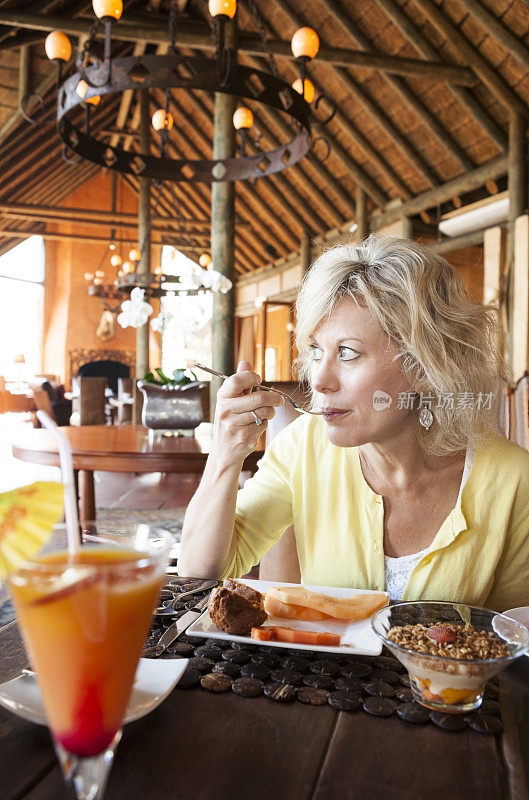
(22, 272)
(186, 335)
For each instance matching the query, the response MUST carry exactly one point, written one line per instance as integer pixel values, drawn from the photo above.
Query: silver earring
(425, 417)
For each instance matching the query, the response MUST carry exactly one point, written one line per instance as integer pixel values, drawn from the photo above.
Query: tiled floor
(113, 490)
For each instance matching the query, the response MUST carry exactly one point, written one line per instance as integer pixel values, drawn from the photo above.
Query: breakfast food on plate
(296, 602)
(279, 634)
(450, 679)
(236, 608)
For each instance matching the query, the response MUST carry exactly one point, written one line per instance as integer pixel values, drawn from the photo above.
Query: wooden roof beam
(186, 37)
(412, 33)
(488, 75)
(22, 39)
(498, 31)
(421, 111)
(361, 141)
(477, 177)
(41, 89)
(13, 233)
(381, 118)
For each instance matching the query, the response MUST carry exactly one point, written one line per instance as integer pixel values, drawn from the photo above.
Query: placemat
(376, 685)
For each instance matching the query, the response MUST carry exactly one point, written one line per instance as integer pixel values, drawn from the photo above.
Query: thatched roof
(399, 130)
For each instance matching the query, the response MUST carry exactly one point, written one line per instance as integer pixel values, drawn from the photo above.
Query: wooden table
(200, 746)
(117, 449)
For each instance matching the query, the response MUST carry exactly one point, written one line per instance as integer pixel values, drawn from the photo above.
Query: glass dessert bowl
(450, 650)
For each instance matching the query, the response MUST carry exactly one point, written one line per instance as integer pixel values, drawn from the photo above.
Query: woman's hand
(236, 431)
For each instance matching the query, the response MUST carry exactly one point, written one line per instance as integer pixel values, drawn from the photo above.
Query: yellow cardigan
(480, 554)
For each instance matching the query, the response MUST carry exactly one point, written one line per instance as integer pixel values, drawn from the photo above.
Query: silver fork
(265, 388)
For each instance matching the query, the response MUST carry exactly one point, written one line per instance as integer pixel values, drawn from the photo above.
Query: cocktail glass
(84, 620)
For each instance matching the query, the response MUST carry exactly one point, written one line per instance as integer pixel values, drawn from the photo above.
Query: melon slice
(351, 609)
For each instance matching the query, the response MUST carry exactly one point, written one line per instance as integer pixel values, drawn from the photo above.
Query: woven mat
(377, 685)
(123, 520)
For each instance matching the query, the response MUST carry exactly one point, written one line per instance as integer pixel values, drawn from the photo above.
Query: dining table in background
(112, 448)
(198, 745)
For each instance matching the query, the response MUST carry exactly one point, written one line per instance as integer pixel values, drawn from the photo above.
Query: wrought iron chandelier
(95, 78)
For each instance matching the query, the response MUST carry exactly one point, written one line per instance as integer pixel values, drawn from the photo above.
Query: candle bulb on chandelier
(58, 47)
(305, 44)
(309, 92)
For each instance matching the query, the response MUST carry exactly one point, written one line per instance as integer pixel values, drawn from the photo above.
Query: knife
(175, 630)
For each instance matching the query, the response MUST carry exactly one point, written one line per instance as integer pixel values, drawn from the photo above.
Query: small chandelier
(106, 287)
(189, 280)
(95, 78)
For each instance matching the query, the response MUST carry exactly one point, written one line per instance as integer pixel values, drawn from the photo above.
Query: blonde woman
(403, 483)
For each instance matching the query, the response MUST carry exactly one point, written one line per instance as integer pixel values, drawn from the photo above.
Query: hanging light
(108, 10)
(162, 120)
(242, 122)
(98, 281)
(205, 260)
(89, 276)
(222, 8)
(99, 273)
(58, 47)
(243, 119)
(128, 267)
(134, 254)
(158, 270)
(116, 260)
(309, 91)
(305, 43)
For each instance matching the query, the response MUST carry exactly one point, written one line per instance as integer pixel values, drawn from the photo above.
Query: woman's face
(356, 380)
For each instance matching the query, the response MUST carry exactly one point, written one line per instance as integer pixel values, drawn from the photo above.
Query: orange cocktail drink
(84, 620)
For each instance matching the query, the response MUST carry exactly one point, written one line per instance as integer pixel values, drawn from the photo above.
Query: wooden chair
(281, 562)
(92, 401)
(42, 402)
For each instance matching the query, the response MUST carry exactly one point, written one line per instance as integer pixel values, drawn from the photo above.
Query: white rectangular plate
(357, 637)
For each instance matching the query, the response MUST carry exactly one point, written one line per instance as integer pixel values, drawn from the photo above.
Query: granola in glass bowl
(450, 650)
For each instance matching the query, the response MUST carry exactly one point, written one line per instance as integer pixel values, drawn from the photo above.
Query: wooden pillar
(23, 74)
(261, 367)
(520, 315)
(223, 233)
(517, 182)
(305, 252)
(407, 228)
(144, 240)
(361, 214)
(494, 256)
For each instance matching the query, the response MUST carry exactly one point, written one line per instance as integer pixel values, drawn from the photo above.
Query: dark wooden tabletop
(201, 746)
(120, 448)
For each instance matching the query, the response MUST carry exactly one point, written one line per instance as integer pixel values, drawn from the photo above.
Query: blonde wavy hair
(446, 343)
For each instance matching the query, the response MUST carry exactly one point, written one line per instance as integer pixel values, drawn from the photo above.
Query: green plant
(180, 377)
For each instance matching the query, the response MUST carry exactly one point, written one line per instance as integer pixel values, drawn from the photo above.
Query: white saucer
(520, 614)
(154, 680)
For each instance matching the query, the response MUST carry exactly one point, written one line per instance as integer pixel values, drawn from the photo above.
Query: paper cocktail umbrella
(27, 516)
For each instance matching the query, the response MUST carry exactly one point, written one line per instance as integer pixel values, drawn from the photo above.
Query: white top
(398, 570)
